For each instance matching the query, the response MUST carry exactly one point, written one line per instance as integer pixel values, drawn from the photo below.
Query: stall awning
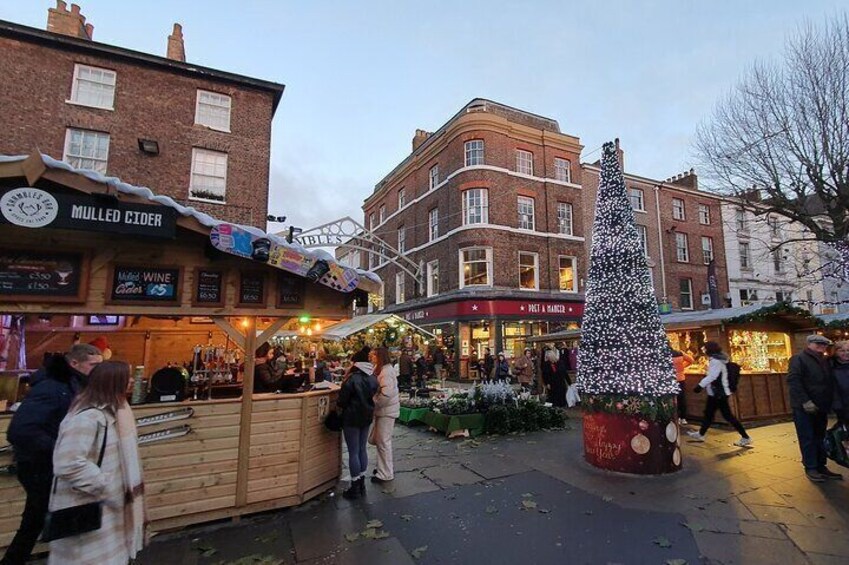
(347, 328)
(554, 337)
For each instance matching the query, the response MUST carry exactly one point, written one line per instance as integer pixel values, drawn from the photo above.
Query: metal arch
(350, 234)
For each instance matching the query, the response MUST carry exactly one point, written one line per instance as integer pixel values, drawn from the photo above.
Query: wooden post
(245, 418)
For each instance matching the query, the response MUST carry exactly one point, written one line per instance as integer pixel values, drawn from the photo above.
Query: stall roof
(346, 328)
(371, 280)
(556, 336)
(833, 318)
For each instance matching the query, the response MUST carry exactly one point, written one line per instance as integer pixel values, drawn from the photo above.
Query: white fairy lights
(623, 347)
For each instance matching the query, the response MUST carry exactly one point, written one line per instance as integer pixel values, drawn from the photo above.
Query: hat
(819, 339)
(103, 345)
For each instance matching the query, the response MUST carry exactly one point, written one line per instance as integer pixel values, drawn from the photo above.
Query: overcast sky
(362, 75)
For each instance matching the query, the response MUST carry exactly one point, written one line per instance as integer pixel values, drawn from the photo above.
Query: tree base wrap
(630, 444)
(447, 423)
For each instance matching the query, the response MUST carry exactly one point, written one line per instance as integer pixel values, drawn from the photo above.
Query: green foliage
(528, 416)
(650, 408)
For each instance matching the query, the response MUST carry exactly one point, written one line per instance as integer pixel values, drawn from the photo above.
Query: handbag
(74, 520)
(333, 422)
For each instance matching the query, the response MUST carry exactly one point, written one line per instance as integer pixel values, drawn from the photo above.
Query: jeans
(720, 402)
(357, 441)
(37, 479)
(810, 429)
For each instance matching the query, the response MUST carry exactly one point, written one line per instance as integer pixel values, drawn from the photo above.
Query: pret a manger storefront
(203, 459)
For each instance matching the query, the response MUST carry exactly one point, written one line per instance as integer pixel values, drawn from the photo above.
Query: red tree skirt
(630, 444)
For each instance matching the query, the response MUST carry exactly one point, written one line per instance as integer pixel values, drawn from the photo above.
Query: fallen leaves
(372, 531)
(418, 552)
(529, 504)
(662, 541)
(406, 517)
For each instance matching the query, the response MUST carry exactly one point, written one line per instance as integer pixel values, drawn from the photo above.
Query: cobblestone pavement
(530, 498)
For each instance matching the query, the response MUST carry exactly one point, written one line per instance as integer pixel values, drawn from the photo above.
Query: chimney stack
(176, 48)
(60, 20)
(420, 137)
(620, 155)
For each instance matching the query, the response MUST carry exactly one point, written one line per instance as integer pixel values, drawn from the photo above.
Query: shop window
(564, 218)
(562, 170)
(745, 261)
(704, 214)
(86, 149)
(528, 271)
(567, 270)
(678, 209)
(213, 110)
(433, 278)
(707, 250)
(476, 206)
(526, 213)
(433, 177)
(524, 162)
(400, 282)
(209, 176)
(686, 294)
(760, 352)
(474, 152)
(635, 195)
(682, 250)
(476, 266)
(402, 198)
(433, 224)
(94, 87)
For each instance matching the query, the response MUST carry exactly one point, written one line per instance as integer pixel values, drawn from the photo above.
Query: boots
(356, 490)
(361, 486)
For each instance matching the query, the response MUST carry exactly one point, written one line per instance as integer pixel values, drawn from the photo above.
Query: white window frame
(688, 293)
(707, 250)
(562, 169)
(704, 214)
(209, 105)
(105, 84)
(433, 224)
(482, 206)
(402, 239)
(682, 248)
(92, 161)
(402, 198)
(565, 218)
(741, 220)
(524, 162)
(678, 209)
(525, 206)
(745, 255)
(778, 262)
(643, 236)
(574, 261)
(198, 152)
(774, 224)
(637, 198)
(433, 177)
(535, 257)
(432, 271)
(488, 261)
(474, 153)
(381, 214)
(400, 288)
(371, 224)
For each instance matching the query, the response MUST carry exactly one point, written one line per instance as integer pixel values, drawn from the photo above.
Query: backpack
(733, 375)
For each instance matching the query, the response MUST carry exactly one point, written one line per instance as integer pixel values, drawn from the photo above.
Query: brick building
(682, 230)
(199, 135)
(488, 208)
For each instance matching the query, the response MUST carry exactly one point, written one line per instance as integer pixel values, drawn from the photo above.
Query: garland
(777, 309)
(649, 407)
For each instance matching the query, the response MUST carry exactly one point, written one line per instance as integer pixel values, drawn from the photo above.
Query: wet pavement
(530, 498)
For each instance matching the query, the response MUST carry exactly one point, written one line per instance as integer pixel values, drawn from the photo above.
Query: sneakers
(696, 435)
(378, 480)
(814, 476)
(828, 474)
(682, 422)
(743, 442)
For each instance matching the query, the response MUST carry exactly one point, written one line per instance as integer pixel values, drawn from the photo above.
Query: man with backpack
(811, 383)
(721, 375)
(33, 432)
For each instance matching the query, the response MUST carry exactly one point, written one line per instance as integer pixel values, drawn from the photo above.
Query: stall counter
(759, 396)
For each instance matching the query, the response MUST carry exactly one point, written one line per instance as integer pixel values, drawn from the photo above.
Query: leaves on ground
(676, 562)
(352, 537)
(693, 527)
(607, 498)
(406, 517)
(374, 524)
(491, 509)
(544, 510)
(588, 512)
(528, 495)
(267, 538)
(209, 552)
(418, 552)
(662, 541)
(529, 504)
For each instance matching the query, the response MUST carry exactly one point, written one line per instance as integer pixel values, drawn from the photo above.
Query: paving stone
(451, 475)
(417, 463)
(168, 551)
(493, 467)
(732, 549)
(762, 530)
(405, 484)
(822, 559)
(387, 551)
(820, 540)
(763, 496)
(778, 515)
(322, 532)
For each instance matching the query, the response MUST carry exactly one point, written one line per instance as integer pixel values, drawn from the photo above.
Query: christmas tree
(624, 361)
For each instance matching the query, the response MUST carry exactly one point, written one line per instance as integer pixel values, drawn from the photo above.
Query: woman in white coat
(99, 411)
(387, 407)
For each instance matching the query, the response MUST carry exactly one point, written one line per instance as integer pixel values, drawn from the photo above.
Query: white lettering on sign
(539, 308)
(417, 315)
(114, 216)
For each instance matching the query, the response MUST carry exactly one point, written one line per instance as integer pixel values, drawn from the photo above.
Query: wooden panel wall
(11, 494)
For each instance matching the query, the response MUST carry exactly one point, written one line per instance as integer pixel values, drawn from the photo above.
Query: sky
(361, 76)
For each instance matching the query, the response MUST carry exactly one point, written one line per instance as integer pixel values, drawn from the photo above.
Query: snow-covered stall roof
(340, 331)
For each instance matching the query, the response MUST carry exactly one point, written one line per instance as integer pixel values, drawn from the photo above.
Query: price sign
(132, 285)
(34, 276)
(252, 289)
(209, 288)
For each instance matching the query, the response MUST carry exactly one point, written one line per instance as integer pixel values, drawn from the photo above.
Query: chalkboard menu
(252, 289)
(209, 288)
(35, 276)
(153, 285)
(290, 291)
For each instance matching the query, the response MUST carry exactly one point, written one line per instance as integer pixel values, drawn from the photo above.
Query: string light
(623, 347)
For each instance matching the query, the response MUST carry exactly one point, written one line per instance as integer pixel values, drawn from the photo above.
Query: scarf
(134, 510)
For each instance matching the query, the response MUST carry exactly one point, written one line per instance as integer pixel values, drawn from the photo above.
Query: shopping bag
(572, 396)
(836, 442)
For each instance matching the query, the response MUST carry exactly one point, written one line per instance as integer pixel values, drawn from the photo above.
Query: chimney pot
(89, 30)
(61, 6)
(73, 24)
(176, 50)
(75, 9)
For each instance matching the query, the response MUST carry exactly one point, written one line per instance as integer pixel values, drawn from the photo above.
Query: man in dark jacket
(811, 385)
(33, 432)
(405, 369)
(488, 364)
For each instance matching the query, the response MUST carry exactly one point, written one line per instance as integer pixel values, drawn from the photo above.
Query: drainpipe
(660, 242)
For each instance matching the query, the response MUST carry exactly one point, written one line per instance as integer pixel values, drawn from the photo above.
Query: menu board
(252, 289)
(290, 291)
(154, 285)
(35, 276)
(209, 288)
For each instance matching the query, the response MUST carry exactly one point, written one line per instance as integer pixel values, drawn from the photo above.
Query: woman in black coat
(356, 400)
(555, 378)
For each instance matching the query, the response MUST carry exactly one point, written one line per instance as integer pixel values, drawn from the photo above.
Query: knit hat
(103, 345)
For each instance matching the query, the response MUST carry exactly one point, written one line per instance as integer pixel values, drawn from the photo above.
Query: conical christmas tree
(624, 361)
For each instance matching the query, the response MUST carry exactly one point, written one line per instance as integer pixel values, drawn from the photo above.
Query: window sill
(528, 289)
(207, 200)
(213, 128)
(643, 211)
(568, 291)
(80, 104)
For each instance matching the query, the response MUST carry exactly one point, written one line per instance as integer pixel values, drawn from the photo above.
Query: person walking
(811, 385)
(681, 361)
(387, 407)
(405, 370)
(356, 400)
(33, 432)
(718, 391)
(100, 420)
(840, 369)
(502, 368)
(420, 362)
(523, 368)
(488, 365)
(554, 377)
(438, 364)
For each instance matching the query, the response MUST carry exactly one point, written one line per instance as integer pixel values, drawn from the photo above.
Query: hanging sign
(35, 276)
(160, 285)
(36, 208)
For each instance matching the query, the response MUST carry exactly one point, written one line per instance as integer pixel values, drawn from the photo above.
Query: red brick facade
(154, 99)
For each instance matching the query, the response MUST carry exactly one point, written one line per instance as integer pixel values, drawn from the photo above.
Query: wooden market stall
(102, 258)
